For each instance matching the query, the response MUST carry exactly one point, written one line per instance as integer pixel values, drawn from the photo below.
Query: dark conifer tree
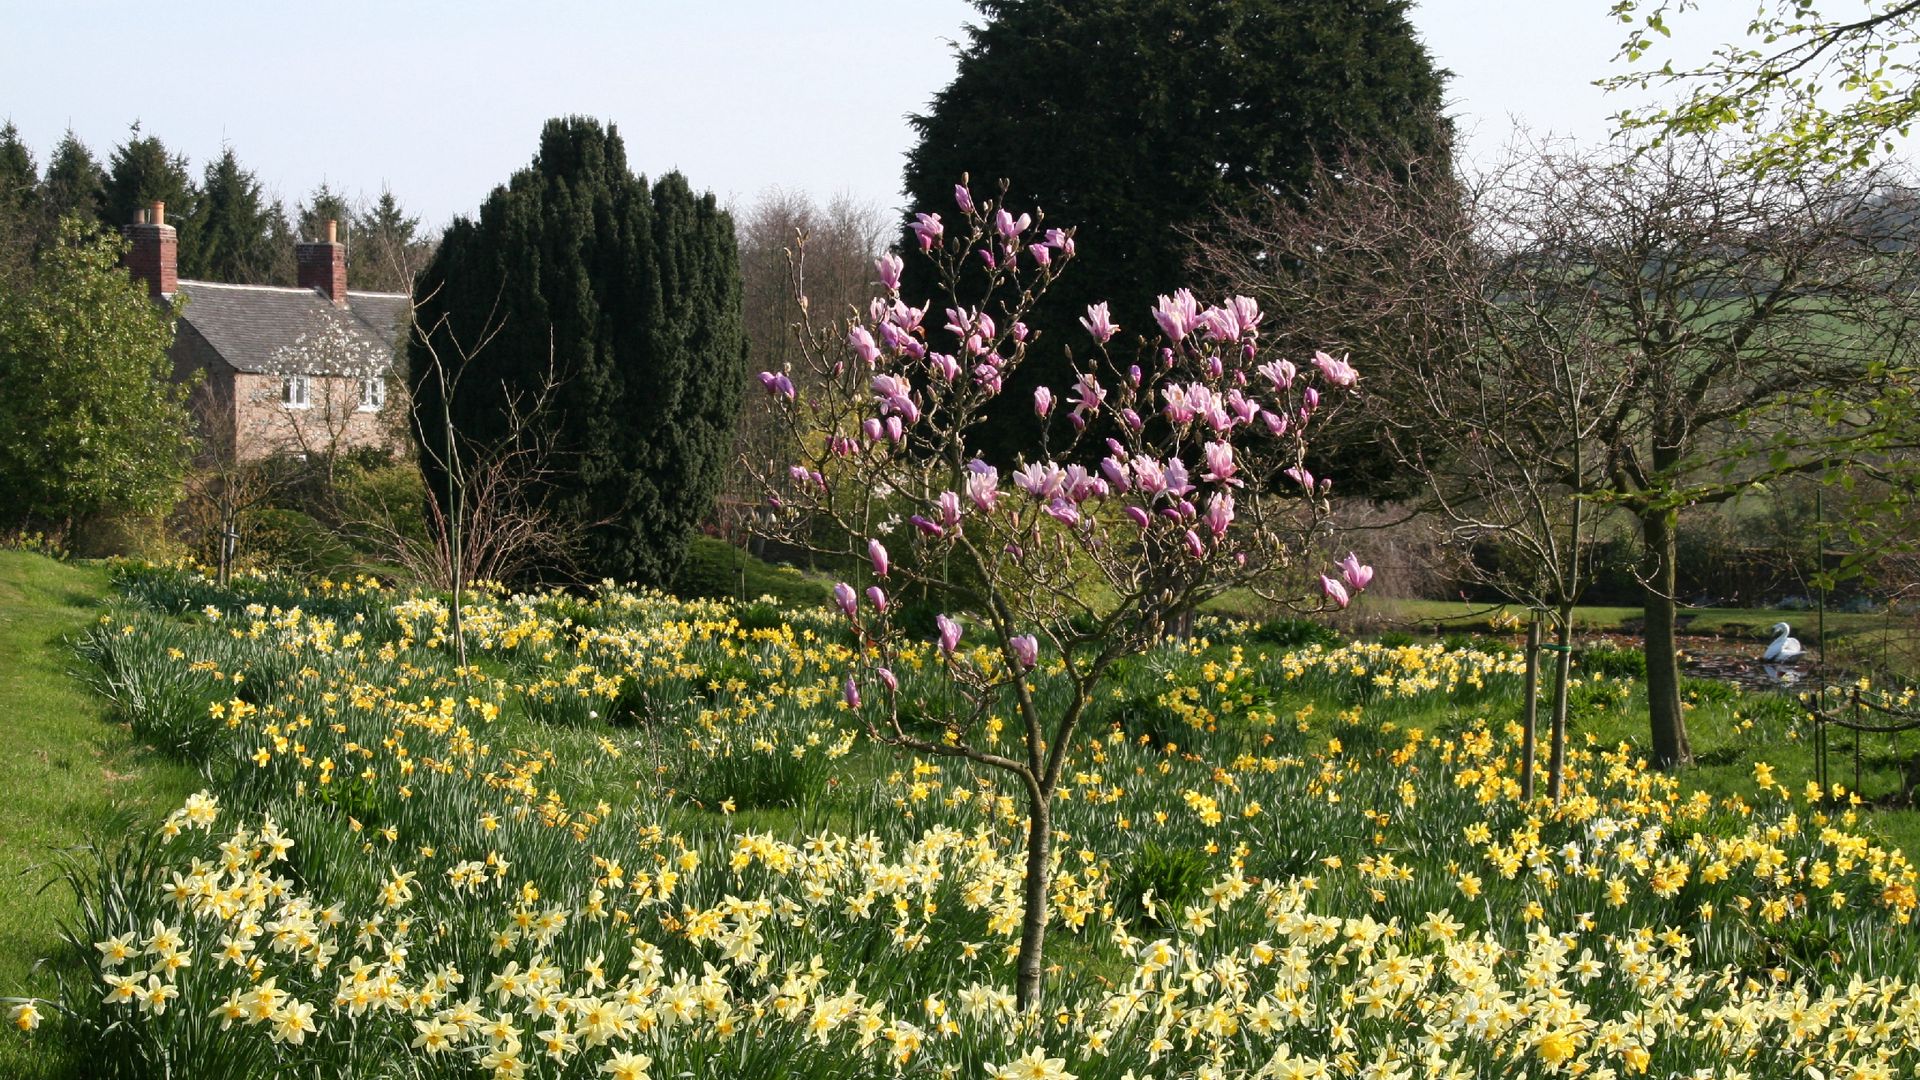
(1138, 121)
(20, 211)
(388, 249)
(633, 292)
(238, 233)
(324, 205)
(141, 172)
(74, 184)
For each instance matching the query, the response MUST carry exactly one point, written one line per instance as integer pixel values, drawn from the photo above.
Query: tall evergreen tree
(1137, 121)
(388, 249)
(74, 185)
(238, 232)
(632, 293)
(19, 203)
(324, 205)
(141, 172)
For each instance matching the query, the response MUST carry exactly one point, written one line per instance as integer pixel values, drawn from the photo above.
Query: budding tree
(1051, 571)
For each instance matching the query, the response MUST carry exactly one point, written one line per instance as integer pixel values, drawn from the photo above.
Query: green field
(70, 775)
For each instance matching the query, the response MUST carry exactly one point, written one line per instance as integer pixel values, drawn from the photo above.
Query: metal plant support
(1860, 714)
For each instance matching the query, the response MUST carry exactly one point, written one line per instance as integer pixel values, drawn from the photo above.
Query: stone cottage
(303, 370)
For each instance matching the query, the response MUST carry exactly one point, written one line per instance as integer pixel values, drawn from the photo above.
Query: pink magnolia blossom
(889, 267)
(877, 596)
(1177, 481)
(944, 366)
(1276, 423)
(1220, 466)
(1009, 226)
(983, 485)
(1358, 576)
(1335, 591)
(963, 198)
(851, 692)
(863, 345)
(877, 552)
(1138, 516)
(948, 504)
(847, 599)
(1099, 323)
(1338, 372)
(887, 677)
(1060, 241)
(927, 526)
(1116, 473)
(1299, 475)
(1178, 315)
(1026, 650)
(777, 384)
(1042, 401)
(1279, 372)
(1195, 547)
(950, 630)
(928, 230)
(1219, 513)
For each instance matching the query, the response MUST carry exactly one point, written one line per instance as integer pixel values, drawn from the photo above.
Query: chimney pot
(333, 231)
(152, 251)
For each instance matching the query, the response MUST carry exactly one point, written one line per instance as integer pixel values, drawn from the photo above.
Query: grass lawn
(67, 772)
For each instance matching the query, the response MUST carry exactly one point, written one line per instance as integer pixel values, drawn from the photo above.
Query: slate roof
(268, 330)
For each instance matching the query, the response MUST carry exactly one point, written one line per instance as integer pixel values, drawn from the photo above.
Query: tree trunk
(1530, 715)
(1562, 672)
(1033, 926)
(1670, 749)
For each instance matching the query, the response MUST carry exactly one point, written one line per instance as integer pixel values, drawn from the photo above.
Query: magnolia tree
(1162, 478)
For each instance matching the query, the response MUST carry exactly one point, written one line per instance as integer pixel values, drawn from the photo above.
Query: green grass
(69, 775)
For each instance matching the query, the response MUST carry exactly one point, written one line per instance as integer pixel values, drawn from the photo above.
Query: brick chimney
(323, 265)
(155, 255)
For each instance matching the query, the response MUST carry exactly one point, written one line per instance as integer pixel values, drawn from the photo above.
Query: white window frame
(296, 392)
(373, 394)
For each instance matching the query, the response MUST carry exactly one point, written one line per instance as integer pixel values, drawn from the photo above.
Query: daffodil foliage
(643, 838)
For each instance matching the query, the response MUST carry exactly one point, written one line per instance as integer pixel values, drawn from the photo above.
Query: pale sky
(441, 101)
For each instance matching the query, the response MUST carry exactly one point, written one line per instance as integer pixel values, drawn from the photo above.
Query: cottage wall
(331, 423)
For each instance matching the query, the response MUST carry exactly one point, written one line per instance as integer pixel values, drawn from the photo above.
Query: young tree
(632, 293)
(1173, 110)
(240, 234)
(1200, 489)
(91, 422)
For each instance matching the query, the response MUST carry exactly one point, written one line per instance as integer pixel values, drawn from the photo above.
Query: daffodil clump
(640, 837)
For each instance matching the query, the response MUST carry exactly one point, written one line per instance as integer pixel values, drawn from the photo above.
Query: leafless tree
(839, 242)
(1573, 334)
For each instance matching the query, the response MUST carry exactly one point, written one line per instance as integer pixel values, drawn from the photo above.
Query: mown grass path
(66, 772)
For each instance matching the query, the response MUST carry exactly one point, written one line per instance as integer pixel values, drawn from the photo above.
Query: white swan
(1784, 648)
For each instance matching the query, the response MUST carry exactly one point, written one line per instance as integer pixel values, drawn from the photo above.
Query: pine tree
(19, 203)
(74, 185)
(324, 205)
(388, 249)
(142, 172)
(1138, 121)
(237, 231)
(631, 292)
